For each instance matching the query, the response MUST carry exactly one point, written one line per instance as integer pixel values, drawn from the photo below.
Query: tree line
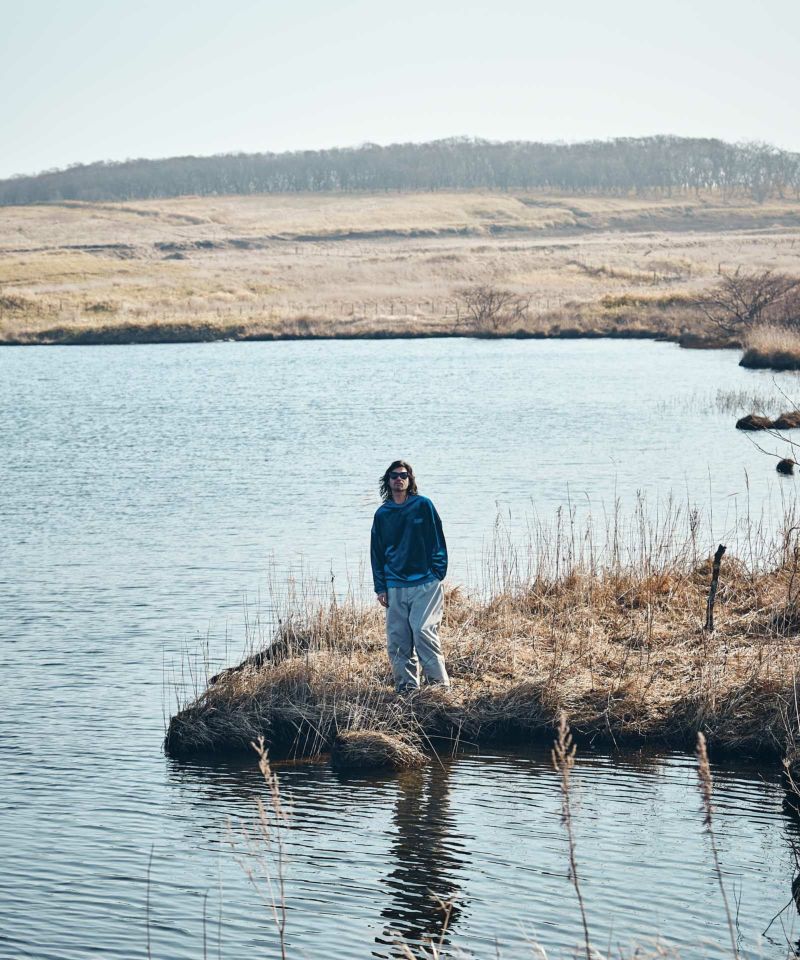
(662, 165)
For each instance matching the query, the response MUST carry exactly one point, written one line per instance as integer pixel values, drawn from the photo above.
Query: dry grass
(369, 749)
(385, 265)
(776, 348)
(613, 638)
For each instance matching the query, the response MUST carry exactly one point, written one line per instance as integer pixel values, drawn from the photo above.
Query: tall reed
(563, 761)
(264, 859)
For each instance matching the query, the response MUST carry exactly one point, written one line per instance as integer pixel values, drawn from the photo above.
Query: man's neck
(400, 497)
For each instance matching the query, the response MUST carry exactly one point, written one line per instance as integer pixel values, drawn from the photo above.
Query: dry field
(372, 265)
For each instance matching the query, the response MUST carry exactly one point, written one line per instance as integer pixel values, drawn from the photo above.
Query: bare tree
(742, 300)
(786, 311)
(490, 308)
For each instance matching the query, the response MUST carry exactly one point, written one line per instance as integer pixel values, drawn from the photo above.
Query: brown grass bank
(620, 649)
(772, 348)
(389, 265)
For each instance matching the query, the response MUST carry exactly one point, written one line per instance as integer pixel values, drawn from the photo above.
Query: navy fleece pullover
(407, 546)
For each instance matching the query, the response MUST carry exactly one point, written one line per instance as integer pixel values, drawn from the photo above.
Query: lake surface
(151, 494)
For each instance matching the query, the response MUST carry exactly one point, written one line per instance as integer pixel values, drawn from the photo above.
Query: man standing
(409, 562)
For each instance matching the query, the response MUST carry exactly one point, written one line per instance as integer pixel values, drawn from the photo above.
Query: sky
(90, 80)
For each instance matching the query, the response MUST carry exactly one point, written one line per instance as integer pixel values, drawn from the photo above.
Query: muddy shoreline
(132, 336)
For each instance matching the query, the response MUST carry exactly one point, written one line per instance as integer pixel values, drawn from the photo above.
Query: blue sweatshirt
(407, 545)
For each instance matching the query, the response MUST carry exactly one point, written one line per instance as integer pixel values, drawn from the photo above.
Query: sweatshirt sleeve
(376, 555)
(439, 552)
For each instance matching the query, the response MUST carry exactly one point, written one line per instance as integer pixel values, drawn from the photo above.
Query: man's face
(398, 480)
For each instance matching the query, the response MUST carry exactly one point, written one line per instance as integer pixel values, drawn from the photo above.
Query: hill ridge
(665, 165)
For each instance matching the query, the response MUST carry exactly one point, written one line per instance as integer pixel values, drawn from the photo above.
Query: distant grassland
(373, 265)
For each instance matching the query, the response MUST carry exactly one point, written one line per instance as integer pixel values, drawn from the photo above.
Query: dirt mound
(753, 422)
(787, 421)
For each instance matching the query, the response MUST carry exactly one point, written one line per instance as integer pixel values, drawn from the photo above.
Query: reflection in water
(368, 854)
(425, 851)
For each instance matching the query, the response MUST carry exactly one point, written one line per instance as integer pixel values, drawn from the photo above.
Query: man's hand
(383, 599)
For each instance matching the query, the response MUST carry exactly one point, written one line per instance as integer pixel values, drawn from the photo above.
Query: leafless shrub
(785, 313)
(483, 307)
(742, 300)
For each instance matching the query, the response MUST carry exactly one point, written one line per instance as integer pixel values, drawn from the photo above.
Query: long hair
(385, 489)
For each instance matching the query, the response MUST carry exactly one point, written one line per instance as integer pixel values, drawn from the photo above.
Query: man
(409, 562)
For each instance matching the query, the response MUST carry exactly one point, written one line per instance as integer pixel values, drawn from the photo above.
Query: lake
(151, 498)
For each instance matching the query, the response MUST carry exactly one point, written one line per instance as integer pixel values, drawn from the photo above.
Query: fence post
(712, 592)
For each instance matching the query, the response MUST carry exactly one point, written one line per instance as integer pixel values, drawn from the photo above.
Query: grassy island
(621, 649)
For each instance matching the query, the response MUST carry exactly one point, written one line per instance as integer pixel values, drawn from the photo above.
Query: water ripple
(146, 492)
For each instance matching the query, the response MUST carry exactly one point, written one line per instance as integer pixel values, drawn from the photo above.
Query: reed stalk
(264, 860)
(564, 760)
(707, 794)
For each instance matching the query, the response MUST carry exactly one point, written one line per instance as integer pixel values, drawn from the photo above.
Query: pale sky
(86, 80)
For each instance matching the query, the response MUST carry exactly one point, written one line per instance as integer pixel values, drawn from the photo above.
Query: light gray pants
(412, 631)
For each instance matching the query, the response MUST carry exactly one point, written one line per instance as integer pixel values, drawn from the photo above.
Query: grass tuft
(370, 749)
(775, 348)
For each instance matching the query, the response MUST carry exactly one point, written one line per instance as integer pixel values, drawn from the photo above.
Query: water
(148, 494)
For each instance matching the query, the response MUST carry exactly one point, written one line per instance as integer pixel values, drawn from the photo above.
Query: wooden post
(712, 592)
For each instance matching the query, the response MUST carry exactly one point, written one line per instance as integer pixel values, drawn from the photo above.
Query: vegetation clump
(761, 310)
(789, 420)
(370, 749)
(754, 421)
(772, 348)
(621, 649)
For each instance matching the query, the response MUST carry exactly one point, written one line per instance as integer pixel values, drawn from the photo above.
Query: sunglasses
(398, 475)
